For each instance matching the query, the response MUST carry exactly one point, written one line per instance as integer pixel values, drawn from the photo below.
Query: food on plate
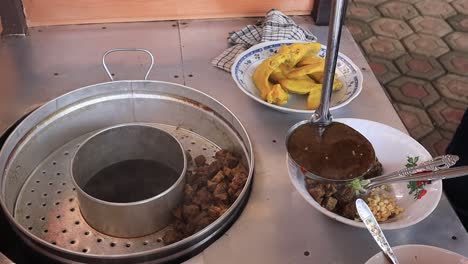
(296, 69)
(338, 153)
(209, 191)
(277, 95)
(311, 60)
(262, 73)
(340, 198)
(300, 86)
(298, 72)
(313, 99)
(383, 206)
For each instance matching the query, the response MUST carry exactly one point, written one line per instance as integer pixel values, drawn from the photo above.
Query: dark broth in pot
(131, 181)
(340, 153)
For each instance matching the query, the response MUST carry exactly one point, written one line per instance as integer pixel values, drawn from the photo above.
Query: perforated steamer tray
(36, 190)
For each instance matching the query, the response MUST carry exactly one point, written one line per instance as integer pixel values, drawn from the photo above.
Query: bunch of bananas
(295, 69)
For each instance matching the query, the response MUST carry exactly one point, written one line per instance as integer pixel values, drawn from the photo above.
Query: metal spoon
(321, 133)
(423, 176)
(373, 227)
(435, 164)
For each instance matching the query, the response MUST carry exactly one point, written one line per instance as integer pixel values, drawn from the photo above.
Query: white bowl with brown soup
(396, 205)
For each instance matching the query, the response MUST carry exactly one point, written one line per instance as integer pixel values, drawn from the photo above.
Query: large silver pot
(36, 191)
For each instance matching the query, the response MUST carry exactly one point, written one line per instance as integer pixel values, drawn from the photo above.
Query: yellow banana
(299, 86)
(310, 61)
(314, 51)
(297, 51)
(307, 69)
(318, 77)
(337, 84)
(313, 99)
(277, 75)
(277, 95)
(282, 73)
(262, 73)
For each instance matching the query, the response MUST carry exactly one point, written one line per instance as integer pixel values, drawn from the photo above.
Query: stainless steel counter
(277, 225)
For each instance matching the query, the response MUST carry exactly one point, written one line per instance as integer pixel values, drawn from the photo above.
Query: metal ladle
(317, 145)
(436, 164)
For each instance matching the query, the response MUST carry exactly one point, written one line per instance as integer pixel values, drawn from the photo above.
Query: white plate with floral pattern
(392, 148)
(246, 63)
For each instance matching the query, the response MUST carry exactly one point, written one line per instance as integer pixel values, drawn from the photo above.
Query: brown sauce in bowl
(340, 153)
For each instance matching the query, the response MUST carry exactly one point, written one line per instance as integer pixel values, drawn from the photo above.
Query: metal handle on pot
(127, 49)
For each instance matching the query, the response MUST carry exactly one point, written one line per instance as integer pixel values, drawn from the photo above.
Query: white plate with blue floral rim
(246, 63)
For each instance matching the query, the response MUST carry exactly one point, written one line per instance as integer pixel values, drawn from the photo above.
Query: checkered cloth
(275, 26)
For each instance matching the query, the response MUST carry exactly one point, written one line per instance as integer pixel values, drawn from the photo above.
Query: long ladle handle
(338, 10)
(425, 176)
(435, 164)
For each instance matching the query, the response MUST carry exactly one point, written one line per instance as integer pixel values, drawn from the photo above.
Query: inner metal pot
(128, 179)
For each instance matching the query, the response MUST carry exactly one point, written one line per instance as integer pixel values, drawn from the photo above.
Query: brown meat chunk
(211, 185)
(220, 192)
(330, 189)
(177, 213)
(213, 168)
(221, 154)
(376, 170)
(349, 210)
(203, 198)
(345, 194)
(209, 192)
(215, 211)
(320, 200)
(317, 192)
(188, 190)
(237, 183)
(172, 236)
(329, 203)
(218, 177)
(179, 226)
(236, 195)
(239, 171)
(227, 158)
(190, 177)
(224, 206)
(199, 180)
(201, 221)
(190, 211)
(227, 172)
(239, 179)
(231, 162)
(200, 160)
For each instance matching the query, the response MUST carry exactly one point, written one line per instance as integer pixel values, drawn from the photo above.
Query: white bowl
(392, 148)
(246, 63)
(420, 254)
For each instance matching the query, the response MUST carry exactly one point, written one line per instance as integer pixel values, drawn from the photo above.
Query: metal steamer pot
(36, 191)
